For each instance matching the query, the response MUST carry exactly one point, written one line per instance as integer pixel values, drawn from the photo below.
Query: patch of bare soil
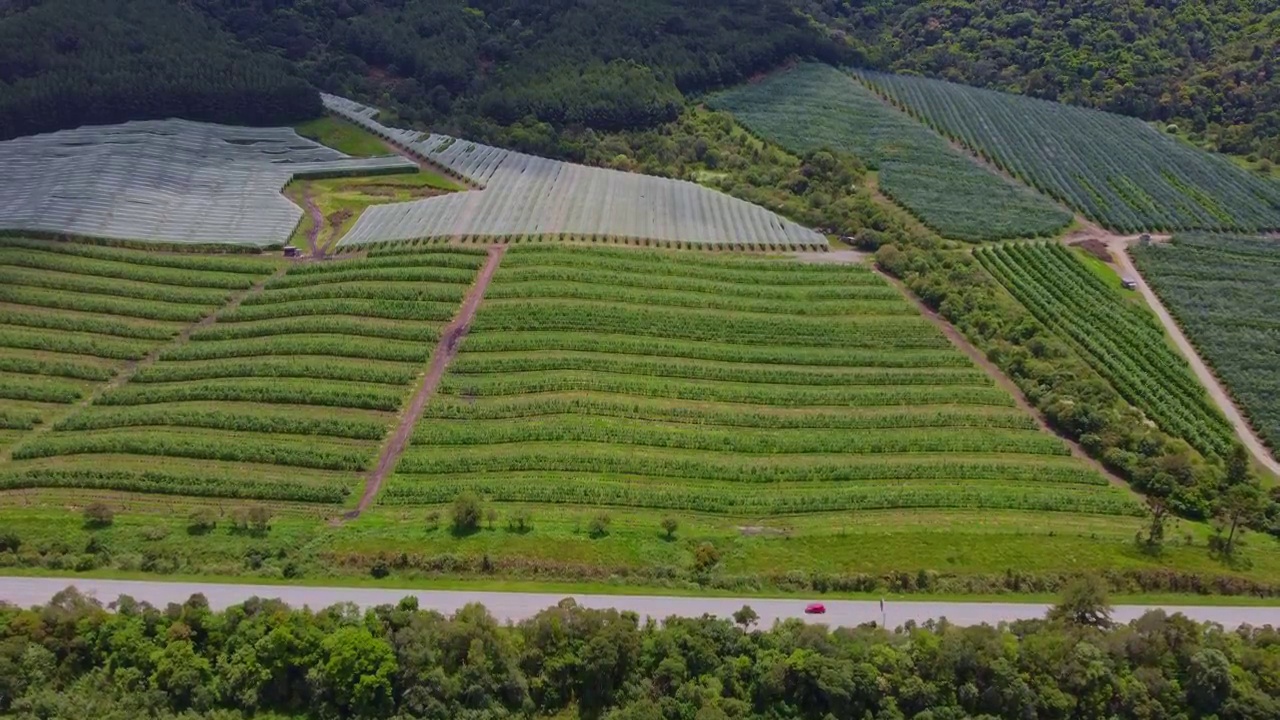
(444, 353)
(1094, 247)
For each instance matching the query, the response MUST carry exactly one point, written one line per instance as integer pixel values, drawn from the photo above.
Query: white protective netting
(165, 180)
(526, 195)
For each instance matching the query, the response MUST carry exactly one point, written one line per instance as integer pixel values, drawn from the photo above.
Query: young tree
(433, 520)
(746, 617)
(1239, 470)
(98, 515)
(599, 525)
(705, 556)
(1084, 602)
(670, 525)
(260, 518)
(519, 521)
(1241, 506)
(202, 520)
(1153, 541)
(466, 513)
(491, 516)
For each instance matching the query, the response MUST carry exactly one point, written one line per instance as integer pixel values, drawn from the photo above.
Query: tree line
(75, 658)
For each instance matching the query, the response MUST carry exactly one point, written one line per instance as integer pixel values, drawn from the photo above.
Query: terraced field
(817, 107)
(285, 397)
(1225, 293)
(73, 317)
(724, 385)
(1124, 343)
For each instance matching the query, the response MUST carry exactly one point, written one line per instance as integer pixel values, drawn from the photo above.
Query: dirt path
(131, 368)
(979, 359)
(1119, 250)
(444, 353)
(317, 223)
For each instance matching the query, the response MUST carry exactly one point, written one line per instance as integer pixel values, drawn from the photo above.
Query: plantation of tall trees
(67, 63)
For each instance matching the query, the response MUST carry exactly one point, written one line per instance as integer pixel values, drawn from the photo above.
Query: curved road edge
(514, 607)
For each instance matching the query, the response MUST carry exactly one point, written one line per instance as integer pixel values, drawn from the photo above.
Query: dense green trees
(66, 63)
(73, 658)
(473, 66)
(1208, 66)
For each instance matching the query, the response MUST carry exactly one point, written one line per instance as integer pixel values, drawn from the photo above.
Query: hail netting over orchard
(524, 195)
(165, 180)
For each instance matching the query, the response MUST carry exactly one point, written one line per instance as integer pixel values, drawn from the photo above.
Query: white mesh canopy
(164, 180)
(527, 195)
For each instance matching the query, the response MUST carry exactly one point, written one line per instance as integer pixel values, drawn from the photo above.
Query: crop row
(158, 482)
(279, 367)
(246, 266)
(1120, 342)
(279, 391)
(778, 275)
(332, 345)
(341, 273)
(385, 309)
(54, 368)
(257, 422)
(519, 292)
(19, 388)
(407, 490)
(148, 310)
(580, 316)
(319, 325)
(775, 395)
(95, 345)
(640, 433)
(15, 419)
(165, 443)
(707, 466)
(54, 320)
(450, 293)
(423, 258)
(536, 406)
(487, 363)
(664, 262)
(783, 354)
(405, 248)
(124, 270)
(527, 280)
(52, 280)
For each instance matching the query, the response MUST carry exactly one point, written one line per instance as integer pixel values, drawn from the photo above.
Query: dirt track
(444, 353)
(1119, 250)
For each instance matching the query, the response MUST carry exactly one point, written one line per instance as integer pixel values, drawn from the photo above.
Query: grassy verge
(965, 554)
(342, 136)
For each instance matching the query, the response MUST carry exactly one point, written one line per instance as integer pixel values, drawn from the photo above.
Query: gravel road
(518, 606)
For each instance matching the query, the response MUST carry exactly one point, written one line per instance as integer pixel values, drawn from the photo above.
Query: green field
(791, 388)
(1115, 169)
(287, 396)
(1225, 293)
(816, 107)
(1123, 342)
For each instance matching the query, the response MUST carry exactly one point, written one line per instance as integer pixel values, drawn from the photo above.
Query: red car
(815, 609)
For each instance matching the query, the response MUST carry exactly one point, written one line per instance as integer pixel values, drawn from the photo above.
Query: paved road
(1119, 249)
(518, 606)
